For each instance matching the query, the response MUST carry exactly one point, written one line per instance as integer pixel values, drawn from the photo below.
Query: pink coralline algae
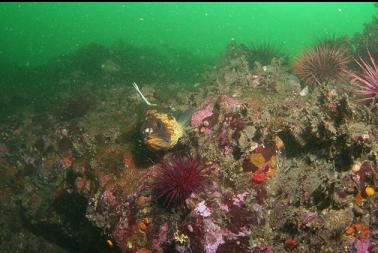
(108, 198)
(203, 210)
(128, 161)
(240, 198)
(263, 249)
(362, 246)
(156, 243)
(213, 236)
(66, 162)
(104, 180)
(230, 102)
(308, 217)
(205, 111)
(219, 118)
(120, 235)
(80, 183)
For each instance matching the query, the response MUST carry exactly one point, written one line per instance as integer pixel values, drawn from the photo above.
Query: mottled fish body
(161, 131)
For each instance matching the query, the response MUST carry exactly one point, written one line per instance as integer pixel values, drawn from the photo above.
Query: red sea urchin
(366, 83)
(176, 178)
(322, 64)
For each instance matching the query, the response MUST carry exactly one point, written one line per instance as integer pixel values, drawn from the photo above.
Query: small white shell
(356, 166)
(304, 92)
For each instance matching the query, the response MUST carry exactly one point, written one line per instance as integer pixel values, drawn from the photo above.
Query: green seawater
(50, 49)
(31, 33)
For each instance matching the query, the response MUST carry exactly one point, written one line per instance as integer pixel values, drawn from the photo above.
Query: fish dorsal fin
(184, 117)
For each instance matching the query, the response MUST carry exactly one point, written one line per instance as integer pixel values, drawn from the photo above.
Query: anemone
(366, 82)
(322, 65)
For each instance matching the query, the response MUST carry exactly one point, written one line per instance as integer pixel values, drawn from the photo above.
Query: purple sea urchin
(366, 83)
(176, 178)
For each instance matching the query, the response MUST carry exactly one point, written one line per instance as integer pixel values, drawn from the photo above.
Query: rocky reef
(261, 166)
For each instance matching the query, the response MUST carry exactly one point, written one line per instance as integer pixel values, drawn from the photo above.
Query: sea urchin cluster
(322, 64)
(176, 178)
(366, 83)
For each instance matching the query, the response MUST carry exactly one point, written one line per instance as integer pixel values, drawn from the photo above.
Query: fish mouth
(161, 131)
(157, 143)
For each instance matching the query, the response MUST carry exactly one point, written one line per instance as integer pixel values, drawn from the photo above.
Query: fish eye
(159, 125)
